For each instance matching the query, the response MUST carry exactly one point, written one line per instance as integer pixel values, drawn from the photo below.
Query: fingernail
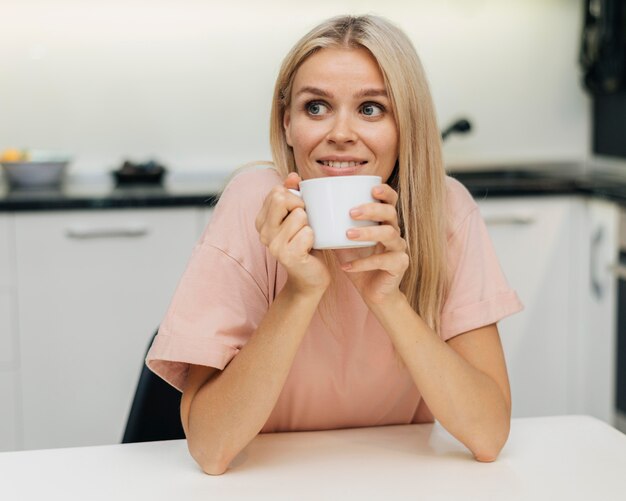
(346, 266)
(353, 233)
(378, 190)
(356, 212)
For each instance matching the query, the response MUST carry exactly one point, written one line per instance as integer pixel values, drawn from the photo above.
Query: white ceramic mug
(328, 201)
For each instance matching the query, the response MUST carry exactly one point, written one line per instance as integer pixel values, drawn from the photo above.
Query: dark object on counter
(461, 126)
(132, 174)
(603, 46)
(155, 411)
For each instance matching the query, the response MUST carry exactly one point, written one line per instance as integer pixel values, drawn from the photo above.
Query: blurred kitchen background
(190, 82)
(88, 266)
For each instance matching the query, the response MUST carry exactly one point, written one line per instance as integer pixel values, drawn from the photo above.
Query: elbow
(488, 449)
(487, 452)
(212, 461)
(214, 467)
(486, 455)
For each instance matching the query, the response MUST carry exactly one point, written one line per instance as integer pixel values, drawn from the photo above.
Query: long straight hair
(418, 176)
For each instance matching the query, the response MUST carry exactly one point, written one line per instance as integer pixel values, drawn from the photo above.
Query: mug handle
(295, 192)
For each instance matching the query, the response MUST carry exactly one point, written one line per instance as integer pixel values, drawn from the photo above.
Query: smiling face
(339, 121)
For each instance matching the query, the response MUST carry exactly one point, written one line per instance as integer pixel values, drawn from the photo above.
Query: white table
(554, 458)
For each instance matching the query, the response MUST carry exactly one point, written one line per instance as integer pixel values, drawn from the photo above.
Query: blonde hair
(419, 176)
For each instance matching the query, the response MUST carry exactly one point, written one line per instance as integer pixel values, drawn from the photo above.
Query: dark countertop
(202, 191)
(511, 183)
(101, 193)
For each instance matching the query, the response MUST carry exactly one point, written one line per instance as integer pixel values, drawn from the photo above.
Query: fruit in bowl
(36, 169)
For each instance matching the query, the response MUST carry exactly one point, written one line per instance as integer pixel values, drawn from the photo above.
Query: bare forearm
(465, 400)
(232, 407)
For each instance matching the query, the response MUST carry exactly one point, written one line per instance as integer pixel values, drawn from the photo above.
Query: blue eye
(316, 108)
(372, 109)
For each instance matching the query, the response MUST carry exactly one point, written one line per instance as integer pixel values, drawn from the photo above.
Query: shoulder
(252, 183)
(460, 204)
(247, 188)
(238, 205)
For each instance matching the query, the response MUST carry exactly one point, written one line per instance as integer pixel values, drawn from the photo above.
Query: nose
(342, 130)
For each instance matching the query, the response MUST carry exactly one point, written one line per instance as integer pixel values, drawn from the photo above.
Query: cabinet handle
(509, 220)
(596, 242)
(83, 233)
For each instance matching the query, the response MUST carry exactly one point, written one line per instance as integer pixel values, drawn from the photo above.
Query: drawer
(7, 329)
(6, 246)
(9, 440)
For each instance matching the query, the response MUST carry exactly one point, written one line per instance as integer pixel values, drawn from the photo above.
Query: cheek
(305, 137)
(384, 143)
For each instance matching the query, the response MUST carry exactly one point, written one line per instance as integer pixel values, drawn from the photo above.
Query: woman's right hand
(284, 229)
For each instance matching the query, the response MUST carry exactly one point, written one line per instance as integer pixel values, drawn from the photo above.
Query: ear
(286, 123)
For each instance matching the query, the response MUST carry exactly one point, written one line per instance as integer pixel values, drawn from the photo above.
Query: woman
(266, 334)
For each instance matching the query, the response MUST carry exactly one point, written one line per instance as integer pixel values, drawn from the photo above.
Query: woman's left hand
(377, 271)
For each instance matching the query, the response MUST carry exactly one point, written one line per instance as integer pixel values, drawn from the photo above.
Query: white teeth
(340, 165)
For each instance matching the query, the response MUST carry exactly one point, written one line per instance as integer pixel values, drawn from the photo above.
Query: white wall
(190, 81)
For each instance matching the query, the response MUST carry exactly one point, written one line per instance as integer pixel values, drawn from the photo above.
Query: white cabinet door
(595, 381)
(93, 287)
(533, 237)
(7, 293)
(6, 247)
(7, 330)
(8, 411)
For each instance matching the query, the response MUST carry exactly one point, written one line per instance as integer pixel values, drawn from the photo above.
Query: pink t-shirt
(344, 376)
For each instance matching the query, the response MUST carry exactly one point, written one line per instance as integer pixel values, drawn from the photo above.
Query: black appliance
(603, 62)
(620, 363)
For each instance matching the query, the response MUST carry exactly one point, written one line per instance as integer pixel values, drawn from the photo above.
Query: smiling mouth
(340, 165)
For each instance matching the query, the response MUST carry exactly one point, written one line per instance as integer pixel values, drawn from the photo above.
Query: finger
(280, 202)
(381, 213)
(292, 181)
(386, 234)
(394, 263)
(302, 242)
(385, 193)
(295, 221)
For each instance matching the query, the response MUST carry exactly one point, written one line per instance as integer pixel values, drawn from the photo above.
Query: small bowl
(35, 174)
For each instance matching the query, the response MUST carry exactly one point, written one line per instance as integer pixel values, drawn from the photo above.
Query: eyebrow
(322, 93)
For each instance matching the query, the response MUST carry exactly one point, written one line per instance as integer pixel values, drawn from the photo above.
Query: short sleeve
(225, 290)
(478, 292)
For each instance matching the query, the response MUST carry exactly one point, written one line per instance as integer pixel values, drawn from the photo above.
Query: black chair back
(155, 411)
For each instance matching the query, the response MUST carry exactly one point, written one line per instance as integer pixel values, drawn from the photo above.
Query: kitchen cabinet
(9, 415)
(7, 329)
(9, 410)
(7, 294)
(595, 382)
(93, 287)
(558, 350)
(8, 373)
(6, 269)
(532, 238)
(81, 293)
